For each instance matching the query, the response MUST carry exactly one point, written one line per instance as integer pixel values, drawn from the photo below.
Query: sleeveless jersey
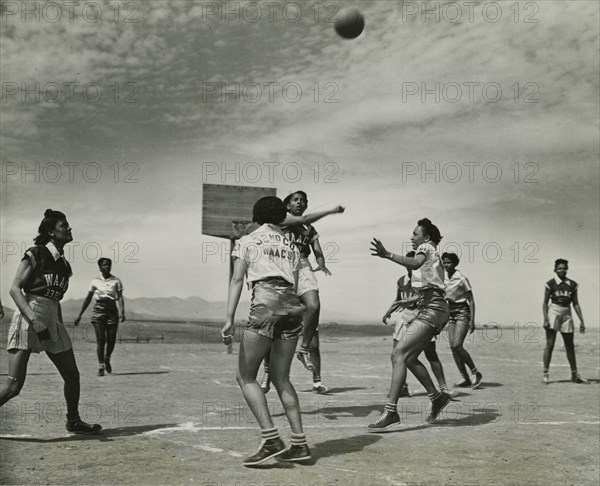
(51, 272)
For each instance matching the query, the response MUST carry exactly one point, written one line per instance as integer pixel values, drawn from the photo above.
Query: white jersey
(109, 288)
(431, 273)
(457, 288)
(268, 253)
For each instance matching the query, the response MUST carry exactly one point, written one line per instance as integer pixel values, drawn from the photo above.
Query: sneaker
(304, 358)
(404, 392)
(296, 453)
(386, 421)
(451, 393)
(465, 383)
(100, 372)
(575, 378)
(268, 449)
(546, 378)
(107, 365)
(437, 406)
(320, 389)
(81, 427)
(477, 380)
(265, 384)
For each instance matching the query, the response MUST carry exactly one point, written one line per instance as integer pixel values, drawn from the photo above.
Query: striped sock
(298, 439)
(474, 371)
(269, 434)
(101, 366)
(390, 408)
(444, 388)
(316, 378)
(303, 350)
(434, 396)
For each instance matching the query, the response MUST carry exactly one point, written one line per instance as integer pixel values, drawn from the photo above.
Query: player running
(297, 227)
(557, 318)
(459, 295)
(270, 261)
(37, 325)
(108, 290)
(406, 302)
(432, 316)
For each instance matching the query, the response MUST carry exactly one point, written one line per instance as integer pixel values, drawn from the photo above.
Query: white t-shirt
(457, 287)
(268, 253)
(431, 273)
(110, 288)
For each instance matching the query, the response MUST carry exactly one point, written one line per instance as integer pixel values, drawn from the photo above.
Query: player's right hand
(546, 323)
(385, 318)
(77, 321)
(340, 209)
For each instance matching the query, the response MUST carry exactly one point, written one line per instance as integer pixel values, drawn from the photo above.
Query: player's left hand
(377, 249)
(226, 335)
(471, 327)
(325, 270)
(123, 318)
(582, 328)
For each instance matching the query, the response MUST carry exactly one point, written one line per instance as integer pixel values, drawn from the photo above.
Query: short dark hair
(288, 198)
(560, 261)
(51, 217)
(269, 209)
(104, 259)
(410, 254)
(431, 229)
(453, 257)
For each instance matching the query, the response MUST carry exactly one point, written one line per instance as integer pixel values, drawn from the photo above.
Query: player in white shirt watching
(108, 290)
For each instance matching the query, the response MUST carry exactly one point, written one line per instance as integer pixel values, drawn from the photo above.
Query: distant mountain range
(175, 308)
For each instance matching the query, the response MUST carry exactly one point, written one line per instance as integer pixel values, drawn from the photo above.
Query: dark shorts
(460, 312)
(105, 313)
(433, 308)
(275, 311)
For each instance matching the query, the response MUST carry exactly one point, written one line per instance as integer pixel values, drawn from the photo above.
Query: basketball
(350, 24)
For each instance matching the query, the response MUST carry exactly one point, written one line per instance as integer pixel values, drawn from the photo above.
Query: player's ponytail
(431, 230)
(48, 224)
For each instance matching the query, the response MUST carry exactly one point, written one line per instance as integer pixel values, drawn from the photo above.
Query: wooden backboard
(222, 204)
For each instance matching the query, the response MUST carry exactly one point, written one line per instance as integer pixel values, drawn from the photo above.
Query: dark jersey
(50, 277)
(406, 291)
(562, 292)
(302, 236)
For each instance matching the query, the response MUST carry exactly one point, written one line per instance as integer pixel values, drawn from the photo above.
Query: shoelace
(382, 418)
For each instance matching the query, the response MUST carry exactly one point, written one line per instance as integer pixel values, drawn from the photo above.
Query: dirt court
(173, 414)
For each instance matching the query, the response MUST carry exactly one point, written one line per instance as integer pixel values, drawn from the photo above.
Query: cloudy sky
(483, 118)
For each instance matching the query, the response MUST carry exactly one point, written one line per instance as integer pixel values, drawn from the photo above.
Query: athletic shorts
(306, 277)
(105, 313)
(560, 318)
(22, 336)
(433, 308)
(405, 316)
(459, 312)
(275, 311)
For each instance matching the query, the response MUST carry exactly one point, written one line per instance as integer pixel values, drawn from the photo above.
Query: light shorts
(306, 277)
(20, 336)
(433, 308)
(560, 318)
(275, 310)
(405, 316)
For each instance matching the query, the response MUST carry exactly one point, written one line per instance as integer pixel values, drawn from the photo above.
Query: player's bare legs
(17, 372)
(253, 349)
(550, 341)
(457, 333)
(281, 359)
(310, 322)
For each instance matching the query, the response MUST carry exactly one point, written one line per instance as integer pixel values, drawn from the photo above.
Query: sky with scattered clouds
(485, 121)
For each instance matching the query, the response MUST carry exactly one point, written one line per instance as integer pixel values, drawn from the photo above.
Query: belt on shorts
(274, 280)
(458, 305)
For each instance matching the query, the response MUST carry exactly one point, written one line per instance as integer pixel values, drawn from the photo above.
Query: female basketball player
(105, 316)
(428, 281)
(270, 261)
(562, 292)
(40, 283)
(459, 295)
(407, 303)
